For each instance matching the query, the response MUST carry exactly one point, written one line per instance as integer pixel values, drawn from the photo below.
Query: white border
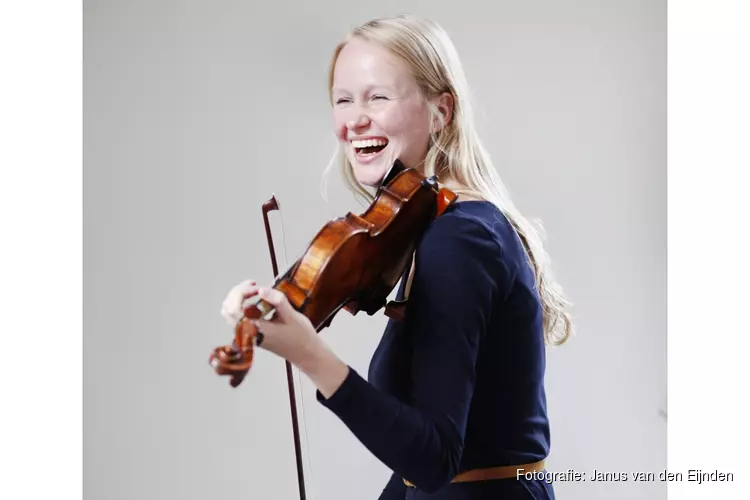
(40, 250)
(41, 254)
(708, 251)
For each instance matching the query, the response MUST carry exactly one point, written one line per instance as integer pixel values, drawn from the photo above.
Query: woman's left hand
(288, 333)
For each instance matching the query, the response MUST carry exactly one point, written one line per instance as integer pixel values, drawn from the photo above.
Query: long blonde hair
(456, 151)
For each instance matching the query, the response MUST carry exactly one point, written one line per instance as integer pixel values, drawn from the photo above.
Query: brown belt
(501, 472)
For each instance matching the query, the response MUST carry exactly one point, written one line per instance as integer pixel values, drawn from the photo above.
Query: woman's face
(378, 113)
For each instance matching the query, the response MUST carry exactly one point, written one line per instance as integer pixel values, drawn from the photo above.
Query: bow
(269, 206)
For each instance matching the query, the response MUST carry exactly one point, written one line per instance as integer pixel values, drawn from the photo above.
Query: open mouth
(369, 148)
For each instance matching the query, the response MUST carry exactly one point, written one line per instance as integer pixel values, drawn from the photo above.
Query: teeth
(369, 143)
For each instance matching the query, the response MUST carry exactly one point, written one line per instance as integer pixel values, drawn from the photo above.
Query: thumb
(278, 300)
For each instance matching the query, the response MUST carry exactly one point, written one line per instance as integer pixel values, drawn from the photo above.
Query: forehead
(363, 64)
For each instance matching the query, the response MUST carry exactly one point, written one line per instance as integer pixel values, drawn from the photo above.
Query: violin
(353, 263)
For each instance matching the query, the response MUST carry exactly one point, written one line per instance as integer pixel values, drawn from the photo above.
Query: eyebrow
(369, 88)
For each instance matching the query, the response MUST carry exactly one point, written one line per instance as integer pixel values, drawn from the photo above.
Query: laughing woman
(454, 402)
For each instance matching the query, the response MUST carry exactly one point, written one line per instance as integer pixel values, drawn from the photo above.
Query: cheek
(409, 124)
(341, 133)
(339, 127)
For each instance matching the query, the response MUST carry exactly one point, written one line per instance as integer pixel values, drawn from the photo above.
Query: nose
(360, 121)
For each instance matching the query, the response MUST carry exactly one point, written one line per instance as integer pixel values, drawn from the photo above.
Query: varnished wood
(353, 262)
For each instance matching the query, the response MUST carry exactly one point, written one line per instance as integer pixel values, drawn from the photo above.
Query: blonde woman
(454, 401)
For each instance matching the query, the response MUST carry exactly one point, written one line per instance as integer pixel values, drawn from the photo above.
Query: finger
(231, 308)
(242, 285)
(266, 331)
(277, 299)
(238, 295)
(246, 294)
(232, 317)
(243, 290)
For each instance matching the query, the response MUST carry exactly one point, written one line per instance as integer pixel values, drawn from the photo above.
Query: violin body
(354, 262)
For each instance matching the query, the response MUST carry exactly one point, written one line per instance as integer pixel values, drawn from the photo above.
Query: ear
(444, 103)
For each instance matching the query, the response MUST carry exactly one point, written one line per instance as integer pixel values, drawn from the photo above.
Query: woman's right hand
(231, 309)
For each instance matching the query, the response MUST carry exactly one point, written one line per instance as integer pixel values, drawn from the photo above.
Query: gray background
(195, 112)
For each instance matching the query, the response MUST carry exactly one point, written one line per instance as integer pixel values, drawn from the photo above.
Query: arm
(455, 283)
(394, 489)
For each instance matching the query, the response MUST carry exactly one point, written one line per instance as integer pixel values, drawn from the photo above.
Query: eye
(379, 97)
(342, 100)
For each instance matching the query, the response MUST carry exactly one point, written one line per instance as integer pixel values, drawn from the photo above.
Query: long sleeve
(394, 489)
(459, 274)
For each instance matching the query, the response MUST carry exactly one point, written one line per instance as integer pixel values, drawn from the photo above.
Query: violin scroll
(236, 360)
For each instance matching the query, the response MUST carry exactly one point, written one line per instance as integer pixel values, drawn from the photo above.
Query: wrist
(324, 369)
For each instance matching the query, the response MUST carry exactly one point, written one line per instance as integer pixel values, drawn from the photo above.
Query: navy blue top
(459, 384)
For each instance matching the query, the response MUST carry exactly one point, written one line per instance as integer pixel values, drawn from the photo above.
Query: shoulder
(471, 239)
(476, 227)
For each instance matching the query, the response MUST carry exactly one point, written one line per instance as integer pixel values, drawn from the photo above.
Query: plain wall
(196, 112)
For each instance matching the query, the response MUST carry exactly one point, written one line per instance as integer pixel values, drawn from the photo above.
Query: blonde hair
(456, 151)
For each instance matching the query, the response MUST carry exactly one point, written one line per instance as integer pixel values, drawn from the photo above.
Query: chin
(371, 169)
(370, 175)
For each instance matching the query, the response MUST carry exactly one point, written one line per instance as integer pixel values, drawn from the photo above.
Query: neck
(463, 192)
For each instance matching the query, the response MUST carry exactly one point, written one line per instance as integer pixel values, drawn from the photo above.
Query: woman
(456, 389)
